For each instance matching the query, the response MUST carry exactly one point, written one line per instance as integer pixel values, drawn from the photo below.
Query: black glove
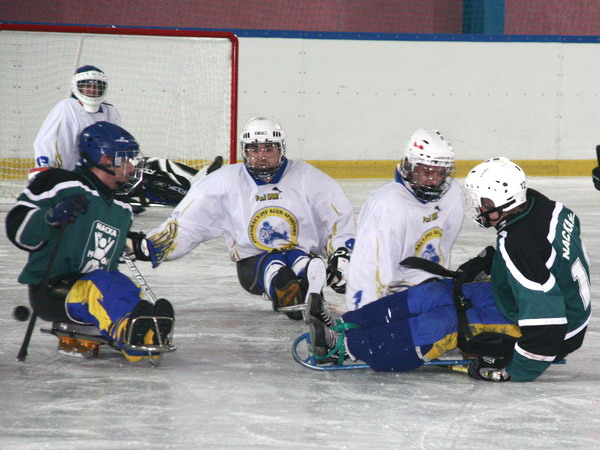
(165, 181)
(337, 269)
(67, 210)
(137, 245)
(476, 268)
(596, 177)
(488, 368)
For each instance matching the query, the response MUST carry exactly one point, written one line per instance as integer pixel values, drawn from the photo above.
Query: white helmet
(428, 148)
(499, 180)
(89, 85)
(260, 130)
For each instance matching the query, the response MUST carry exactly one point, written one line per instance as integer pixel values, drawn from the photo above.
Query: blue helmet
(105, 138)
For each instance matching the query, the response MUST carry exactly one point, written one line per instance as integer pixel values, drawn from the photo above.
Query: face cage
(98, 88)
(121, 162)
(427, 193)
(473, 210)
(262, 174)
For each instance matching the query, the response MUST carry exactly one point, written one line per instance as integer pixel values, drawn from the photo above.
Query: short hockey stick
(139, 277)
(598, 154)
(414, 262)
(22, 355)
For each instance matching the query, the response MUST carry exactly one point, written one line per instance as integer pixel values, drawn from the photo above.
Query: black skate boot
(134, 329)
(324, 342)
(287, 292)
(163, 308)
(315, 307)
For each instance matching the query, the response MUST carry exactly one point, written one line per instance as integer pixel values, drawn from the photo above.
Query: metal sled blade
(292, 308)
(157, 323)
(81, 341)
(309, 361)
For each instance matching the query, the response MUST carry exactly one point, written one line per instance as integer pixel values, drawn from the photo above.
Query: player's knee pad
(248, 273)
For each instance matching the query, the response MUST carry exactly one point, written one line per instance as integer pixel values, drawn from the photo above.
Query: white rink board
(344, 100)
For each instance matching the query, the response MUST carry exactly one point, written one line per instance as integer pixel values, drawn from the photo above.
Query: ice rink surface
(233, 384)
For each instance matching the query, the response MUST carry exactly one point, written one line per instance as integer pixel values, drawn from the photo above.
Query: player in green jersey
(73, 219)
(540, 270)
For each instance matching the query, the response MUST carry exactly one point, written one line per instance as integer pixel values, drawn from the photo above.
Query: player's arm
(376, 256)
(35, 218)
(335, 210)
(197, 218)
(56, 141)
(542, 312)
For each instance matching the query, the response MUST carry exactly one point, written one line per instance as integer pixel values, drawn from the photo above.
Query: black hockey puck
(21, 313)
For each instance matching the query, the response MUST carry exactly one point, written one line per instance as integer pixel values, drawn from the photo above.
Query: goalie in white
(56, 142)
(418, 214)
(165, 182)
(274, 213)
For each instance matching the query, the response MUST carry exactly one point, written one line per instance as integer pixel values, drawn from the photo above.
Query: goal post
(176, 90)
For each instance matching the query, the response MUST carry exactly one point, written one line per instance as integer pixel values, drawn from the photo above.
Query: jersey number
(580, 275)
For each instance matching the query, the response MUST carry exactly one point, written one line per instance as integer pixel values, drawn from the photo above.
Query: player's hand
(66, 211)
(476, 268)
(337, 269)
(596, 177)
(141, 247)
(137, 245)
(488, 368)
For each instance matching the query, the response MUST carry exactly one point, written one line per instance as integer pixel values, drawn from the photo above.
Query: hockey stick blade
(414, 262)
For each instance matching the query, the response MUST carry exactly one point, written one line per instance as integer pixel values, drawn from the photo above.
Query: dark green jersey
(541, 280)
(96, 239)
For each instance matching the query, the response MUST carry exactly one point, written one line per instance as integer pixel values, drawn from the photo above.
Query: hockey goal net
(176, 90)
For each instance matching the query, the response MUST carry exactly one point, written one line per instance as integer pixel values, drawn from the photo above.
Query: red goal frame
(140, 31)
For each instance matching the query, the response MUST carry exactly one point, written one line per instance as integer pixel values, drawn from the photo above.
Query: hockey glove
(67, 210)
(337, 269)
(166, 182)
(142, 248)
(488, 368)
(596, 177)
(477, 268)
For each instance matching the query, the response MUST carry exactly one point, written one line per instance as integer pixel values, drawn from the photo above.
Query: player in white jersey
(56, 142)
(418, 214)
(274, 213)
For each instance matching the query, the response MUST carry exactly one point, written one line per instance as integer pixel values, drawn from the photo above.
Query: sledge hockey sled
(306, 359)
(84, 341)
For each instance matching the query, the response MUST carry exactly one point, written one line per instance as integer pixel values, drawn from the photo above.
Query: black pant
(48, 301)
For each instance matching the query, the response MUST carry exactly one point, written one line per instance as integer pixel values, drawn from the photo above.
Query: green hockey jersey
(94, 241)
(541, 280)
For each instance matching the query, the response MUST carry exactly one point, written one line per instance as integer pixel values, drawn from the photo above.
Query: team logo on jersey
(428, 245)
(99, 248)
(568, 225)
(273, 228)
(42, 161)
(269, 195)
(431, 217)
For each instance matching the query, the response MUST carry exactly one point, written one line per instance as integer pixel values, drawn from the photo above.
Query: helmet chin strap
(485, 216)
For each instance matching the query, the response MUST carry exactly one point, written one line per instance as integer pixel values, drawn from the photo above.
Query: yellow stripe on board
(385, 169)
(16, 168)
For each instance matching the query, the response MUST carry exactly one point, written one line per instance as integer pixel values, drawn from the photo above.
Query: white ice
(233, 384)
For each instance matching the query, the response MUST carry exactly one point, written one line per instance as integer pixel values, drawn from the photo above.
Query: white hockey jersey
(303, 208)
(393, 225)
(56, 142)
